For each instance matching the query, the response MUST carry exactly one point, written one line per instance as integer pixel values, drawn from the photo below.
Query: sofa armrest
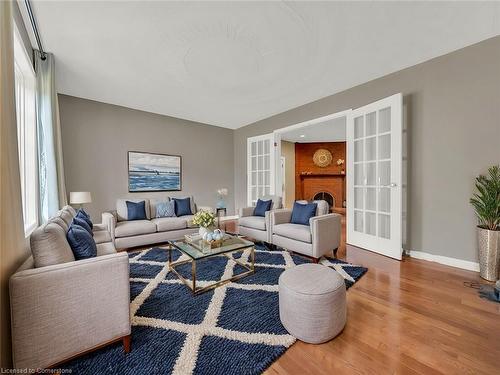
(281, 216)
(109, 220)
(99, 227)
(61, 310)
(326, 232)
(246, 211)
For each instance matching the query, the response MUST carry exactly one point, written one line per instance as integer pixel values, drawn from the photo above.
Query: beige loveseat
(61, 307)
(320, 237)
(258, 227)
(127, 234)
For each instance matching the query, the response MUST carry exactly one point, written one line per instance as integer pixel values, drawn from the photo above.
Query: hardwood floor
(409, 317)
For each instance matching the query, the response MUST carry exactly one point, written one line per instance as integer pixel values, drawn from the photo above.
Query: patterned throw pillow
(165, 209)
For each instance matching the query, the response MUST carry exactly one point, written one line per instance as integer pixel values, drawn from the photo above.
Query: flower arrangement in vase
(340, 163)
(222, 192)
(206, 221)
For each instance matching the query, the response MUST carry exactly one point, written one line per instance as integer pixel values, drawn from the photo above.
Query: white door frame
(278, 133)
(283, 171)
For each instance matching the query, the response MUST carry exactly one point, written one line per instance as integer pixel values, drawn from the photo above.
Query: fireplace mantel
(305, 175)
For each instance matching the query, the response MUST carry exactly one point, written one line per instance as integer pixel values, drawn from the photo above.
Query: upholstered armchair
(320, 237)
(257, 227)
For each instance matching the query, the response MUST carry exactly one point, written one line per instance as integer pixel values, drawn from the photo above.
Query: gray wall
(453, 105)
(97, 136)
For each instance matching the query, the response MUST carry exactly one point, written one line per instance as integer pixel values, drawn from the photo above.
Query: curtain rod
(35, 29)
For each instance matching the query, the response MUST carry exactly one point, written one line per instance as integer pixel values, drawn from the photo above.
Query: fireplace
(315, 182)
(325, 196)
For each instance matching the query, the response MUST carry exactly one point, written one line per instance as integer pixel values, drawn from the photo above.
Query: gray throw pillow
(165, 209)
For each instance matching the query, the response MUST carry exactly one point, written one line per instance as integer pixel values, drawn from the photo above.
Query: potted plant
(486, 203)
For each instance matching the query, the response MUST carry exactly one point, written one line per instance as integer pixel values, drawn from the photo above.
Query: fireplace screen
(326, 197)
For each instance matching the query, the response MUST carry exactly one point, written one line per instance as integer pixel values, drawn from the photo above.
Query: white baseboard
(453, 262)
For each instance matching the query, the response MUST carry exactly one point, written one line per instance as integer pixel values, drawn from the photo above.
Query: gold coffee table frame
(250, 269)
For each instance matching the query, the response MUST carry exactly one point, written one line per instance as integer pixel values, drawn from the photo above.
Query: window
(26, 132)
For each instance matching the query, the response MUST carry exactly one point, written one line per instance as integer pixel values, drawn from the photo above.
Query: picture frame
(150, 172)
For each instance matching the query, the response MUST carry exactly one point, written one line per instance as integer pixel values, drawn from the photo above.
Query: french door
(374, 177)
(263, 155)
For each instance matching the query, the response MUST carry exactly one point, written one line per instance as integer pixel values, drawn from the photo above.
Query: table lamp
(79, 197)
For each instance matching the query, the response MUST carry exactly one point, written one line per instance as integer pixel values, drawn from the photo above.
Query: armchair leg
(335, 252)
(127, 343)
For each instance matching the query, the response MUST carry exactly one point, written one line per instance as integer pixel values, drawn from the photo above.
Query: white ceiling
(333, 130)
(233, 63)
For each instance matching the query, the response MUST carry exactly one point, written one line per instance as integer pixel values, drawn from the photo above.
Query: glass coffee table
(199, 250)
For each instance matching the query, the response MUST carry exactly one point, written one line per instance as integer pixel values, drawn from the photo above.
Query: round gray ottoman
(312, 300)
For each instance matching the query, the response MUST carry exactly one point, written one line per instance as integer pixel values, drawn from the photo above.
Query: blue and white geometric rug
(233, 329)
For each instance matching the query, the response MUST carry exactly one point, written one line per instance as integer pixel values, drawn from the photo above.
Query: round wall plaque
(322, 158)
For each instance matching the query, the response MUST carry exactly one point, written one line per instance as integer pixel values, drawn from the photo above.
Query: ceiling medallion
(322, 158)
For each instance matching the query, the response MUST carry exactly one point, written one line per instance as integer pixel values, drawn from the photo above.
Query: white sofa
(61, 307)
(127, 234)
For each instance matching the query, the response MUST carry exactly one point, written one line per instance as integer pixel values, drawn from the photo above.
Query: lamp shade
(79, 197)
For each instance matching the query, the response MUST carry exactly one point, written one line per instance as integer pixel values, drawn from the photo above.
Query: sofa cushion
(191, 200)
(70, 209)
(255, 222)
(297, 232)
(183, 206)
(153, 202)
(85, 216)
(105, 248)
(301, 213)
(322, 209)
(59, 221)
(81, 242)
(134, 228)
(189, 221)
(49, 245)
(165, 209)
(102, 236)
(83, 223)
(261, 207)
(66, 215)
(136, 210)
(122, 212)
(164, 224)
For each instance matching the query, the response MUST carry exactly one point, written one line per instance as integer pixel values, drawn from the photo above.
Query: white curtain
(12, 245)
(50, 158)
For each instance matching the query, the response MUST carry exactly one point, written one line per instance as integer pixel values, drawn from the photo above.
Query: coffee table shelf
(230, 244)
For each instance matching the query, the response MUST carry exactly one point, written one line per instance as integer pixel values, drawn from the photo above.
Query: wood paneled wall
(334, 183)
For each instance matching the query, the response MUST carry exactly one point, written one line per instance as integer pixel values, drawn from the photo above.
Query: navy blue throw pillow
(261, 207)
(85, 216)
(182, 206)
(301, 213)
(81, 222)
(81, 242)
(136, 211)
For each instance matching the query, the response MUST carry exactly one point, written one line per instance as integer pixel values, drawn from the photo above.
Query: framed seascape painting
(154, 172)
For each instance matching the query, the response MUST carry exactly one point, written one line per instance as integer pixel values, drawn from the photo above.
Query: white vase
(204, 230)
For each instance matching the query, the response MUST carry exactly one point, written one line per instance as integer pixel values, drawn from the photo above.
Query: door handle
(390, 185)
